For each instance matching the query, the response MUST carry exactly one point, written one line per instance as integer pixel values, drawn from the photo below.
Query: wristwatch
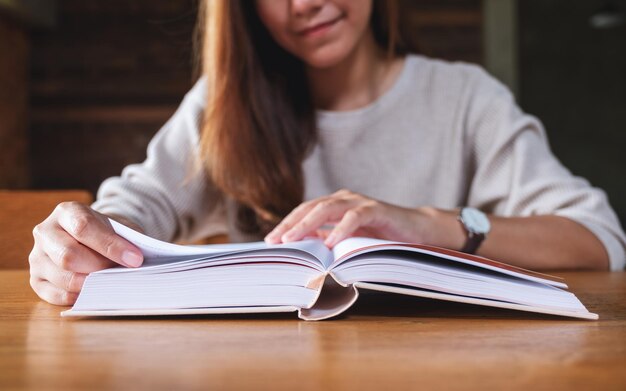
(477, 226)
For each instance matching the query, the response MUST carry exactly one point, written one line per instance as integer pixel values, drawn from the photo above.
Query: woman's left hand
(354, 215)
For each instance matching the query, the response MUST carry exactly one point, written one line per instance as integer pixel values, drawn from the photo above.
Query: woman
(319, 101)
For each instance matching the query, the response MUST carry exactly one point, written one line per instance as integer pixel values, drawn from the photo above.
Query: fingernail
(330, 240)
(131, 258)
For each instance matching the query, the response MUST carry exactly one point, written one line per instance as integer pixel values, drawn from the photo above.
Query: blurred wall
(14, 61)
(573, 77)
(103, 81)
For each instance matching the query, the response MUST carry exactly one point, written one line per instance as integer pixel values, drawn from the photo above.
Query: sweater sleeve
(166, 194)
(516, 174)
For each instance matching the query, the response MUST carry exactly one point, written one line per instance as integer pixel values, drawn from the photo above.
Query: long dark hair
(259, 121)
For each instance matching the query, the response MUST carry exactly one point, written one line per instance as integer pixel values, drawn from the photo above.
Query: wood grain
(385, 342)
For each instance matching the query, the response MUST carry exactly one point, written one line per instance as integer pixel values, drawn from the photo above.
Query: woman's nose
(306, 7)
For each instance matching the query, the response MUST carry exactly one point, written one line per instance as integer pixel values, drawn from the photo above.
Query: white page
(352, 247)
(263, 284)
(176, 265)
(346, 246)
(155, 250)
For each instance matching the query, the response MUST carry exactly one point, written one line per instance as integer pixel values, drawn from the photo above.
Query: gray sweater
(445, 135)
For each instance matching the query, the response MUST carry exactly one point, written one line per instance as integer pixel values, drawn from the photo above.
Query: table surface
(385, 342)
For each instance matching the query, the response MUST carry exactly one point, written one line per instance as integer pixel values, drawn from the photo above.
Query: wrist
(441, 228)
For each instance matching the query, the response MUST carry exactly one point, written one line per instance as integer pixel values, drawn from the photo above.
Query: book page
(432, 273)
(154, 248)
(347, 246)
(351, 247)
(262, 283)
(156, 251)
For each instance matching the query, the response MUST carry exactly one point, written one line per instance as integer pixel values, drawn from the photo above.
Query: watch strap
(473, 242)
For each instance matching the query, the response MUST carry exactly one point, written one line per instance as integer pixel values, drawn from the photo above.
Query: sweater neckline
(328, 121)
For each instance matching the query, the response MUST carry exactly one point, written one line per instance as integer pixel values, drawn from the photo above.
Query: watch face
(475, 220)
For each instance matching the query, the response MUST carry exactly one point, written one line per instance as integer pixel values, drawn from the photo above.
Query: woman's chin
(325, 58)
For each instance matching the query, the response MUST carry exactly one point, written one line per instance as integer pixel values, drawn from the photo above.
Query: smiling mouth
(319, 28)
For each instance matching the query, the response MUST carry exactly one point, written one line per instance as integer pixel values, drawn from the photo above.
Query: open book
(307, 277)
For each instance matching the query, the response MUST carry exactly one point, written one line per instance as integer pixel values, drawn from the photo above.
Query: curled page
(334, 299)
(154, 248)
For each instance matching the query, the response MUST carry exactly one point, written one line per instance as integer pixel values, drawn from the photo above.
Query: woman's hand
(357, 215)
(72, 242)
(534, 242)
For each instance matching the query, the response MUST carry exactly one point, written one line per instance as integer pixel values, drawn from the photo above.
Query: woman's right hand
(72, 242)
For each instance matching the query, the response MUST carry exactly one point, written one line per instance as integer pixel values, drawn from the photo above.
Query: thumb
(98, 234)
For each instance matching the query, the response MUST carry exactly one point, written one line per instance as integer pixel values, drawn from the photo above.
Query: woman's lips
(319, 29)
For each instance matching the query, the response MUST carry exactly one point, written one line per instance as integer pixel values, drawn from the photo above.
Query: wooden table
(386, 342)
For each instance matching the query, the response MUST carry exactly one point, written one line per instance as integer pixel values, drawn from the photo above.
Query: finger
(352, 220)
(325, 211)
(292, 218)
(50, 293)
(97, 234)
(323, 231)
(43, 268)
(68, 254)
(62, 279)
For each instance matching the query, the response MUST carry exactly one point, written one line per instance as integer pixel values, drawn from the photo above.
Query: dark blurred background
(85, 84)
